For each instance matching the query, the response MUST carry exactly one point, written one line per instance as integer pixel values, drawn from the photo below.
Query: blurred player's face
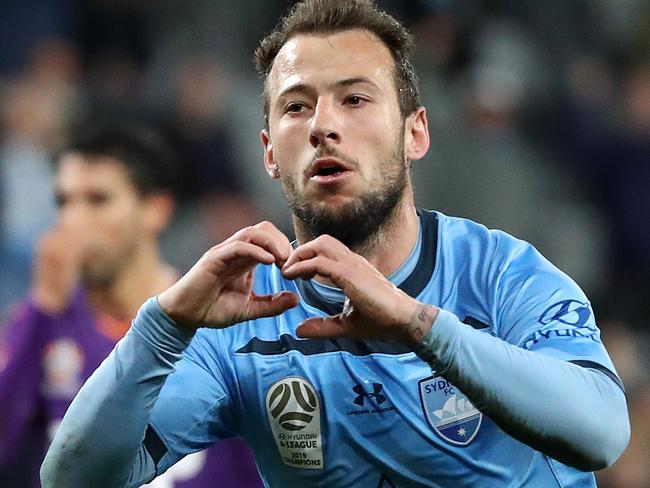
(99, 204)
(336, 133)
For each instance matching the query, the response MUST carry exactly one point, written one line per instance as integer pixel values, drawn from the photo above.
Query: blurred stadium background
(539, 115)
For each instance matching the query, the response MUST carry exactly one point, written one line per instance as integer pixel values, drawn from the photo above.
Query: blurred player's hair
(333, 16)
(149, 159)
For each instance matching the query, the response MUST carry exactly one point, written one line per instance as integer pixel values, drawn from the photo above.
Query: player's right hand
(218, 290)
(57, 268)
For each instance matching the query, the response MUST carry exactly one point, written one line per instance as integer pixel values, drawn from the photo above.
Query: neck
(142, 277)
(391, 245)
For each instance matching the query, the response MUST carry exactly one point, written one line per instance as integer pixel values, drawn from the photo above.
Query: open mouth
(328, 170)
(331, 170)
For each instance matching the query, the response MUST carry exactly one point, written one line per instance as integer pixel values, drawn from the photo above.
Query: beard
(358, 223)
(98, 275)
(101, 269)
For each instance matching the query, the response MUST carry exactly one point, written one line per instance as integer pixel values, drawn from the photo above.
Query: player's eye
(354, 100)
(98, 198)
(294, 107)
(60, 200)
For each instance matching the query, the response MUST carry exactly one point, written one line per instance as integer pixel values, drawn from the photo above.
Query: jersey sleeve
(105, 439)
(20, 377)
(552, 405)
(539, 308)
(193, 410)
(542, 375)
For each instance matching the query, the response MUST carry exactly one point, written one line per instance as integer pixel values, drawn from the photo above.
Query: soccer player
(389, 346)
(92, 273)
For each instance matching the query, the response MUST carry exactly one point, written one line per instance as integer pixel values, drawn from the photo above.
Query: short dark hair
(332, 16)
(149, 160)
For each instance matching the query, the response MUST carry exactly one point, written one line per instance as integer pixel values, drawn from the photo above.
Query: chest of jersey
(372, 414)
(355, 413)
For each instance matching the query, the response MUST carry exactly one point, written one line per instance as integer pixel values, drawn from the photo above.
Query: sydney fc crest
(449, 412)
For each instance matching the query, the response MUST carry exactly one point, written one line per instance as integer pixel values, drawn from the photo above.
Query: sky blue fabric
(371, 413)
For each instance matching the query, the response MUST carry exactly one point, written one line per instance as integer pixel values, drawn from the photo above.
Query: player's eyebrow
(297, 88)
(354, 81)
(310, 90)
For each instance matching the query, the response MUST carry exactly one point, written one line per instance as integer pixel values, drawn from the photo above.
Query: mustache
(330, 153)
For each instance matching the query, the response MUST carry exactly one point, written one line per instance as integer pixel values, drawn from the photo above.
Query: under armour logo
(362, 394)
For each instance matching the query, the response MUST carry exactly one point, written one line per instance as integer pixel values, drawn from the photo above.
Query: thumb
(271, 305)
(323, 327)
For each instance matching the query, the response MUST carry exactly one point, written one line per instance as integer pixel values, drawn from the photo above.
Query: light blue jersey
(515, 344)
(371, 414)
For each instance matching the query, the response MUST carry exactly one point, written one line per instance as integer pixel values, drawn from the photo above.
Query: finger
(281, 239)
(267, 236)
(323, 328)
(237, 255)
(302, 253)
(324, 245)
(271, 305)
(318, 265)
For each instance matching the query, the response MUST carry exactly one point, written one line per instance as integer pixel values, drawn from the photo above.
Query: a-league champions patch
(449, 412)
(293, 408)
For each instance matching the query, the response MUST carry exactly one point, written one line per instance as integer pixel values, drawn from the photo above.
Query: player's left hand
(380, 310)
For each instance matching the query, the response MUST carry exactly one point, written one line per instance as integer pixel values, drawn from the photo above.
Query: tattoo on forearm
(421, 322)
(422, 314)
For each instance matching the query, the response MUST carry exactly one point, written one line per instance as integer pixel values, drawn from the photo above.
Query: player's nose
(324, 124)
(74, 216)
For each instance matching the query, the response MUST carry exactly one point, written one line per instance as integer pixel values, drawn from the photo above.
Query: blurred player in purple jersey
(92, 272)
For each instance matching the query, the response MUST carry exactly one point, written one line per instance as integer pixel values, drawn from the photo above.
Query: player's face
(336, 133)
(98, 203)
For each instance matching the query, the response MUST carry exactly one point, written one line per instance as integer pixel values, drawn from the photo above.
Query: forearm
(574, 414)
(99, 442)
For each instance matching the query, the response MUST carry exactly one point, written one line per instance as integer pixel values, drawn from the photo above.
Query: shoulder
(525, 290)
(490, 250)
(495, 255)
(494, 273)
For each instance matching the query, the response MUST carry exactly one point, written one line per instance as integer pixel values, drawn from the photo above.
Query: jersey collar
(412, 285)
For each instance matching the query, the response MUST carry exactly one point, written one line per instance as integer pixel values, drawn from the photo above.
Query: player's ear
(416, 135)
(158, 211)
(269, 162)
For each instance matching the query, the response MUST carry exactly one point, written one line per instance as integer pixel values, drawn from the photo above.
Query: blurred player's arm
(57, 267)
